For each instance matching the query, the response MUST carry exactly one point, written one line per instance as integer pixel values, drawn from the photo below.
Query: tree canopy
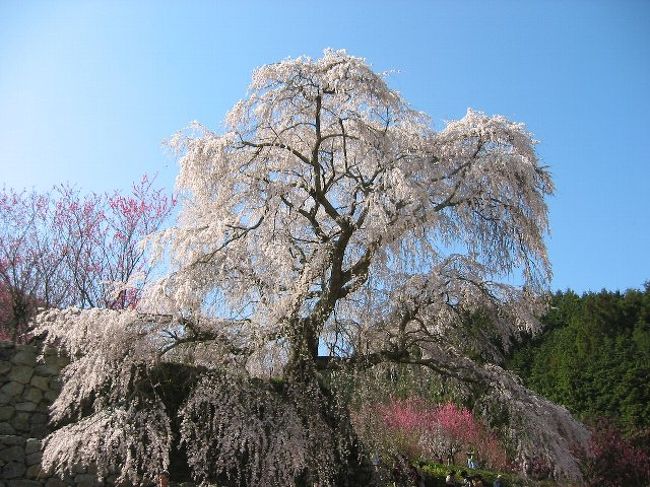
(594, 356)
(327, 228)
(61, 248)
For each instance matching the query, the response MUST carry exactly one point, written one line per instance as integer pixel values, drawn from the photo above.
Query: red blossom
(417, 428)
(61, 248)
(614, 460)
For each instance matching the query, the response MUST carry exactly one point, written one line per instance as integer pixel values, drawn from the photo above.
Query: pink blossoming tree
(419, 430)
(62, 248)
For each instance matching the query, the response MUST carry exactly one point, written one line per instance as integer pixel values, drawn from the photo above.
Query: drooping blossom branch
(330, 216)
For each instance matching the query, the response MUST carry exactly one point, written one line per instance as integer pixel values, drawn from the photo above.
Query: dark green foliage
(594, 356)
(435, 474)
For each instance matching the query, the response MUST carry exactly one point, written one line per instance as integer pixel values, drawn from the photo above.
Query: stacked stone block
(27, 388)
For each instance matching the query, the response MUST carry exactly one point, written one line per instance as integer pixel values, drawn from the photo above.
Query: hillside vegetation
(594, 356)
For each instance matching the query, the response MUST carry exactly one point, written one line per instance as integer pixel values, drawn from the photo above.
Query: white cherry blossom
(328, 228)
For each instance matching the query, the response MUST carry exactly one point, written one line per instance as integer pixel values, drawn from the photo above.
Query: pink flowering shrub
(63, 248)
(614, 460)
(417, 429)
(6, 316)
(16, 308)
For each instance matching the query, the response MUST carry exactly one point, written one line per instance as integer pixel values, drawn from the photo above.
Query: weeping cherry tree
(327, 229)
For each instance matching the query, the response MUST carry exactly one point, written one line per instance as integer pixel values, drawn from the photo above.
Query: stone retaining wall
(27, 388)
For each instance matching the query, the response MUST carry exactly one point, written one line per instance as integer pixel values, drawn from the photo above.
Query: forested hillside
(594, 356)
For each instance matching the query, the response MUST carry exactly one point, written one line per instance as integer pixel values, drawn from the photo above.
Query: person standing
(451, 479)
(477, 481)
(163, 479)
(465, 480)
(471, 463)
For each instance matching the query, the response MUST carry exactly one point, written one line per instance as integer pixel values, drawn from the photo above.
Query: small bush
(419, 430)
(613, 460)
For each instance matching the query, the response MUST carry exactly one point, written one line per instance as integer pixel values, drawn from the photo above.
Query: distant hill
(593, 356)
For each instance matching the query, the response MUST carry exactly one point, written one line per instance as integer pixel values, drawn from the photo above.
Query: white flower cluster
(329, 215)
(262, 435)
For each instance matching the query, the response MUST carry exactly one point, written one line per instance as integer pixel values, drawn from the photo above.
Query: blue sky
(89, 90)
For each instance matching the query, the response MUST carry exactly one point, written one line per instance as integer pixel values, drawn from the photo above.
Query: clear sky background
(89, 90)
